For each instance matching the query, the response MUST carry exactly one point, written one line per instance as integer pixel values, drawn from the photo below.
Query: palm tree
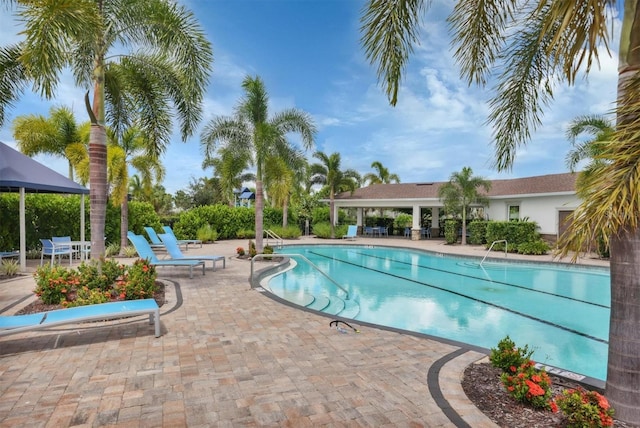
(280, 177)
(602, 131)
(543, 43)
(460, 192)
(335, 180)
(252, 132)
(382, 177)
(230, 167)
(37, 134)
(131, 149)
(162, 79)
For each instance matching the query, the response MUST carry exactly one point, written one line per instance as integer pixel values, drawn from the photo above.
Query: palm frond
(390, 30)
(479, 28)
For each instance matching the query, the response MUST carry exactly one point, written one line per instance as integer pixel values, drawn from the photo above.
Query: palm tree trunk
(124, 224)
(623, 368)
(285, 212)
(331, 219)
(98, 188)
(259, 215)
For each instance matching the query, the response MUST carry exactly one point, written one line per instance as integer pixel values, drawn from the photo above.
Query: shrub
(451, 231)
(477, 230)
(289, 232)
(528, 385)
(54, 284)
(138, 282)
(508, 355)
(207, 233)
(322, 230)
(112, 249)
(101, 277)
(403, 220)
(585, 408)
(538, 247)
(267, 249)
(130, 251)
(86, 296)
(9, 267)
(240, 251)
(252, 248)
(245, 233)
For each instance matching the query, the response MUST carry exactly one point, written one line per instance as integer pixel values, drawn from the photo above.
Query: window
(514, 212)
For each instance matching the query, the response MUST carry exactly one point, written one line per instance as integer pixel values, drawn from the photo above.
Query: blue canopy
(20, 171)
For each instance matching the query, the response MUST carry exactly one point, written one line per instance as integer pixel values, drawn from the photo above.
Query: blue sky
(308, 53)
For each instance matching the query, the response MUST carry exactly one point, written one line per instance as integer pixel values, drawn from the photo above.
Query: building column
(415, 225)
(359, 223)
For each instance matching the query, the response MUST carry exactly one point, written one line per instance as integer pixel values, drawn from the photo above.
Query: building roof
(542, 184)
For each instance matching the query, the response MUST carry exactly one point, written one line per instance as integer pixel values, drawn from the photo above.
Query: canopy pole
(23, 233)
(82, 217)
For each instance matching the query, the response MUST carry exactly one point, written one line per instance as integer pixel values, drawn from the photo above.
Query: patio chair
(171, 244)
(352, 232)
(383, 231)
(425, 232)
(64, 243)
(50, 249)
(368, 231)
(185, 242)
(407, 232)
(144, 251)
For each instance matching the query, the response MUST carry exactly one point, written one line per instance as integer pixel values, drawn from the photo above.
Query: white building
(545, 199)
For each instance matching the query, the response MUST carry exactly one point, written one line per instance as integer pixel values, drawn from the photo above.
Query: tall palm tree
(251, 131)
(543, 43)
(328, 173)
(36, 134)
(230, 168)
(382, 177)
(164, 75)
(460, 192)
(131, 149)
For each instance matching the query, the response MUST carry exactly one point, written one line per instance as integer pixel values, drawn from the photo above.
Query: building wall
(541, 209)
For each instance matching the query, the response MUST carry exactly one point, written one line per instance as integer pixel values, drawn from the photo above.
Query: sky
(308, 54)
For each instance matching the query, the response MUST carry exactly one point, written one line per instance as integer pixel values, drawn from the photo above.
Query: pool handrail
(270, 256)
(506, 246)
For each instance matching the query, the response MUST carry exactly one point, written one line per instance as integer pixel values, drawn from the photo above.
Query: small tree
(461, 192)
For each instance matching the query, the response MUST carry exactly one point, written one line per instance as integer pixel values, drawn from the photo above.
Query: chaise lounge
(104, 311)
(144, 251)
(174, 251)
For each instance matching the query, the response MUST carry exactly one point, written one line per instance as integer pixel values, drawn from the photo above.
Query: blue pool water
(560, 311)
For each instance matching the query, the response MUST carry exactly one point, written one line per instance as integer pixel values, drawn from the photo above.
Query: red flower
(554, 406)
(513, 368)
(534, 388)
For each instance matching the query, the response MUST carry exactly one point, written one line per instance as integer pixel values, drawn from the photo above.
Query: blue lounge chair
(352, 232)
(153, 238)
(173, 249)
(184, 242)
(144, 251)
(103, 311)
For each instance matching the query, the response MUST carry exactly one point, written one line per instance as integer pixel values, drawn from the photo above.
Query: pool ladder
(506, 246)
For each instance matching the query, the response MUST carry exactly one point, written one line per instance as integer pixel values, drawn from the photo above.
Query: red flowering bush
(137, 282)
(508, 355)
(91, 283)
(240, 251)
(585, 409)
(528, 385)
(54, 285)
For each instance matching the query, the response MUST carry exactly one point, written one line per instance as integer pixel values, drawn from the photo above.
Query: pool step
(330, 305)
(351, 309)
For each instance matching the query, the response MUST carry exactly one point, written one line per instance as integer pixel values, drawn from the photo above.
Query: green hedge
(59, 215)
(515, 232)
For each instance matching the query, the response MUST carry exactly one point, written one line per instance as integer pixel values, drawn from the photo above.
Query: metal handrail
(506, 246)
(264, 256)
(271, 234)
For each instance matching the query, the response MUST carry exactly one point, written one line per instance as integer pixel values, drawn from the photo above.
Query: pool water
(560, 311)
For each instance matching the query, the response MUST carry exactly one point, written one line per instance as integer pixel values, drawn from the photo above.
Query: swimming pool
(560, 311)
